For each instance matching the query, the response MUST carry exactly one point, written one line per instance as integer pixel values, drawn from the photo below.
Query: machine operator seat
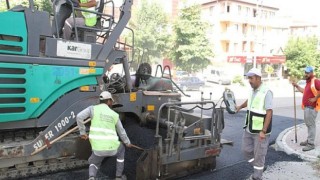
(145, 81)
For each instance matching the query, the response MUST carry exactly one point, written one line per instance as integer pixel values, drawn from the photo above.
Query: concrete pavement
(286, 142)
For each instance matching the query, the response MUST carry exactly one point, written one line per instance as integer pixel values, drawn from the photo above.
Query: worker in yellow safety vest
(87, 18)
(310, 106)
(105, 125)
(258, 123)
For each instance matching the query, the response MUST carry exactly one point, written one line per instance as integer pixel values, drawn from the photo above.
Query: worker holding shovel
(105, 125)
(310, 105)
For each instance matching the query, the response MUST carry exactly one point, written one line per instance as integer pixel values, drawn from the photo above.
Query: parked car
(219, 76)
(180, 74)
(302, 83)
(190, 83)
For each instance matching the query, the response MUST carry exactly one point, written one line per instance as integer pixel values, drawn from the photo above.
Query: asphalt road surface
(231, 163)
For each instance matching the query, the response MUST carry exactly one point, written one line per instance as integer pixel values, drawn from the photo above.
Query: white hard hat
(105, 95)
(254, 71)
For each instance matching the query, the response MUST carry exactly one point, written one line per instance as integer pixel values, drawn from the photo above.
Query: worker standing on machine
(105, 124)
(258, 123)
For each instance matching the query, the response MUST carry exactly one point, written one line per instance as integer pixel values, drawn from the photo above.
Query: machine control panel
(230, 101)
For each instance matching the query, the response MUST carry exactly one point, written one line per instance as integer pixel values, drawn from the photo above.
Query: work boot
(123, 177)
(304, 143)
(265, 168)
(308, 147)
(252, 178)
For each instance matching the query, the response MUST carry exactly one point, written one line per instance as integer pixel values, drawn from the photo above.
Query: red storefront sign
(237, 59)
(259, 59)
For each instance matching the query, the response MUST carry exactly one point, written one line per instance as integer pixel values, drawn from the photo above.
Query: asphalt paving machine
(46, 80)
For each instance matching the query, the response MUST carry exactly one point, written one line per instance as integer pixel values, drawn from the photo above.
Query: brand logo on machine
(73, 49)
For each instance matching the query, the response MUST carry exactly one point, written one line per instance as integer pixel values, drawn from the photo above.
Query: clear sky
(301, 9)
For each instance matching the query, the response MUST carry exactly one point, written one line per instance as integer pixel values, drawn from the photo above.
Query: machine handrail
(170, 104)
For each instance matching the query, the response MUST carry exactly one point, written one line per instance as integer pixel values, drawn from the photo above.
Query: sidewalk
(286, 142)
(295, 170)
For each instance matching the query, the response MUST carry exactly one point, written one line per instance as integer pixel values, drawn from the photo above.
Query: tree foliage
(43, 5)
(150, 26)
(191, 49)
(46, 5)
(301, 52)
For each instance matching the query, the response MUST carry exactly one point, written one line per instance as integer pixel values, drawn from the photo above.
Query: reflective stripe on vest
(315, 93)
(256, 112)
(90, 19)
(103, 135)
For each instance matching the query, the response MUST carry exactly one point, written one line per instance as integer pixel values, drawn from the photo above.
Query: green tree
(43, 5)
(150, 25)
(3, 6)
(301, 52)
(191, 50)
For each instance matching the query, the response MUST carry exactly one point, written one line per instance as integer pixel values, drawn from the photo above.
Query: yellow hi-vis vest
(90, 19)
(103, 135)
(315, 93)
(256, 112)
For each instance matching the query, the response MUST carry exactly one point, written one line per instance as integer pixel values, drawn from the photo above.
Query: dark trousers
(61, 16)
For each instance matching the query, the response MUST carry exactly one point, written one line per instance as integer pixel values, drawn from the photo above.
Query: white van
(219, 76)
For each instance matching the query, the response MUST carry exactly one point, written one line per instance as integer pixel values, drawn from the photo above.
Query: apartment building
(299, 28)
(243, 33)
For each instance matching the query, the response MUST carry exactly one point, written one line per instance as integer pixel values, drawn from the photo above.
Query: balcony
(244, 19)
(228, 17)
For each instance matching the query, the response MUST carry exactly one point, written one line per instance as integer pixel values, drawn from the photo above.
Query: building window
(227, 47)
(211, 10)
(261, 14)
(272, 14)
(264, 30)
(235, 45)
(248, 10)
(254, 12)
(253, 28)
(236, 27)
(263, 47)
(244, 46)
(239, 9)
(244, 29)
(228, 8)
(252, 46)
(265, 14)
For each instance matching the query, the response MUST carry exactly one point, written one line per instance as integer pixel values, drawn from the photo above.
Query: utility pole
(256, 33)
(8, 5)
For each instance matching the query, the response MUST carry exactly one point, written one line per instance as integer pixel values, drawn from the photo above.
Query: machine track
(41, 167)
(26, 167)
